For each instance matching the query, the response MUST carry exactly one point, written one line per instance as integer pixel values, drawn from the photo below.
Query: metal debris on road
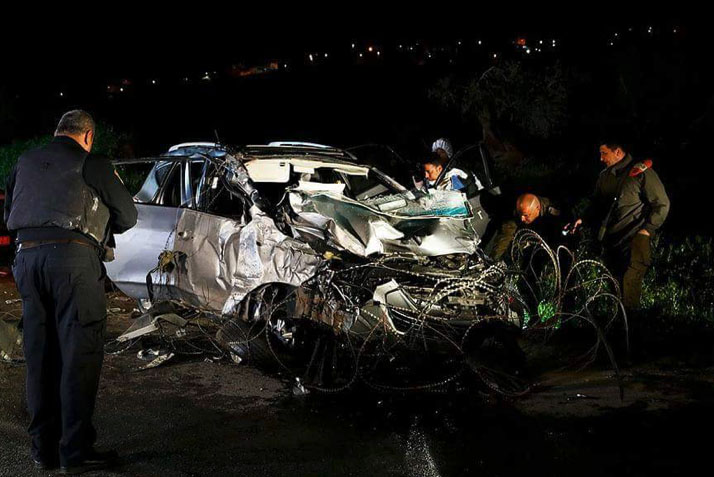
(10, 342)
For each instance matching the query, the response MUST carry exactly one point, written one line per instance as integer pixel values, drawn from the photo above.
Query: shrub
(108, 142)
(680, 283)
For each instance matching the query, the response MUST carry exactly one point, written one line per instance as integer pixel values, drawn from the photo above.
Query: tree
(517, 106)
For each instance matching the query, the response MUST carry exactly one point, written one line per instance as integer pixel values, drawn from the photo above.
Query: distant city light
(422, 53)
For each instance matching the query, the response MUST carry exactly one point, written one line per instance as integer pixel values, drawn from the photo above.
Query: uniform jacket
(642, 203)
(551, 219)
(55, 191)
(548, 225)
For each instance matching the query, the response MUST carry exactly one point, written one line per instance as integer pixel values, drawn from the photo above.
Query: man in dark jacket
(63, 203)
(535, 212)
(628, 207)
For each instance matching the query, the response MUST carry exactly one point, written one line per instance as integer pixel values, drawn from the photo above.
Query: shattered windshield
(373, 185)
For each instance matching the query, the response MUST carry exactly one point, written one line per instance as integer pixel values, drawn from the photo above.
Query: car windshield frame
(374, 175)
(376, 178)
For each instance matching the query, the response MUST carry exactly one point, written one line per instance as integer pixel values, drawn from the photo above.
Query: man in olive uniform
(628, 207)
(535, 212)
(63, 203)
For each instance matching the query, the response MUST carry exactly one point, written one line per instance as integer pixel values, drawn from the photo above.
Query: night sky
(54, 62)
(136, 40)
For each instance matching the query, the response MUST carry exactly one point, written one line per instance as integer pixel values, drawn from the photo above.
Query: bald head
(528, 207)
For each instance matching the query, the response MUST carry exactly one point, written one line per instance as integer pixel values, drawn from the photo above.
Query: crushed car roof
(317, 153)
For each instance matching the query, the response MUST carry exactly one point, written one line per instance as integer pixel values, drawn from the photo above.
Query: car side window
(215, 198)
(195, 177)
(162, 170)
(171, 191)
(152, 184)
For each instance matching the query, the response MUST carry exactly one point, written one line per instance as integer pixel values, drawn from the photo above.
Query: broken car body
(335, 244)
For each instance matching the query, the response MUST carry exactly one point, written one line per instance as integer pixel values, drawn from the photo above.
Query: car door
(165, 195)
(474, 160)
(208, 239)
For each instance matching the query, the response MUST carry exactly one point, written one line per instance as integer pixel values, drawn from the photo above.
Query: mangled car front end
(326, 264)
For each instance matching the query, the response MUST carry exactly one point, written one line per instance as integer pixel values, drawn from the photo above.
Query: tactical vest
(50, 191)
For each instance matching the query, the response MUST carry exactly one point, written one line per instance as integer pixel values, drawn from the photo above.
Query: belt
(38, 243)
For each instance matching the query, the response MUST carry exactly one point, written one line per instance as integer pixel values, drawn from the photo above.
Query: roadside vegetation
(534, 121)
(680, 283)
(679, 286)
(109, 142)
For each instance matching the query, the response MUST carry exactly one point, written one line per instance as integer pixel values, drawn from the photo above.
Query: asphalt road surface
(192, 417)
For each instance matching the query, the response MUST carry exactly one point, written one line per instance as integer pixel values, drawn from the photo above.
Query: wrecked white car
(329, 266)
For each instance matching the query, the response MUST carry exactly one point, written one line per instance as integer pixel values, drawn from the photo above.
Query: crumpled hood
(431, 224)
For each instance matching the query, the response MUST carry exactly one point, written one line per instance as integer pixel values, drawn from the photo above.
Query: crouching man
(535, 212)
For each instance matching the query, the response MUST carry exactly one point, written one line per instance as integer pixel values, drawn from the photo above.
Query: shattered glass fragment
(158, 361)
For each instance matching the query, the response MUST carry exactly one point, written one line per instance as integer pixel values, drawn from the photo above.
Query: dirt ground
(192, 417)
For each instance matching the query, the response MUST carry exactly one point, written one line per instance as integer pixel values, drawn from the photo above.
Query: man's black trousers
(64, 322)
